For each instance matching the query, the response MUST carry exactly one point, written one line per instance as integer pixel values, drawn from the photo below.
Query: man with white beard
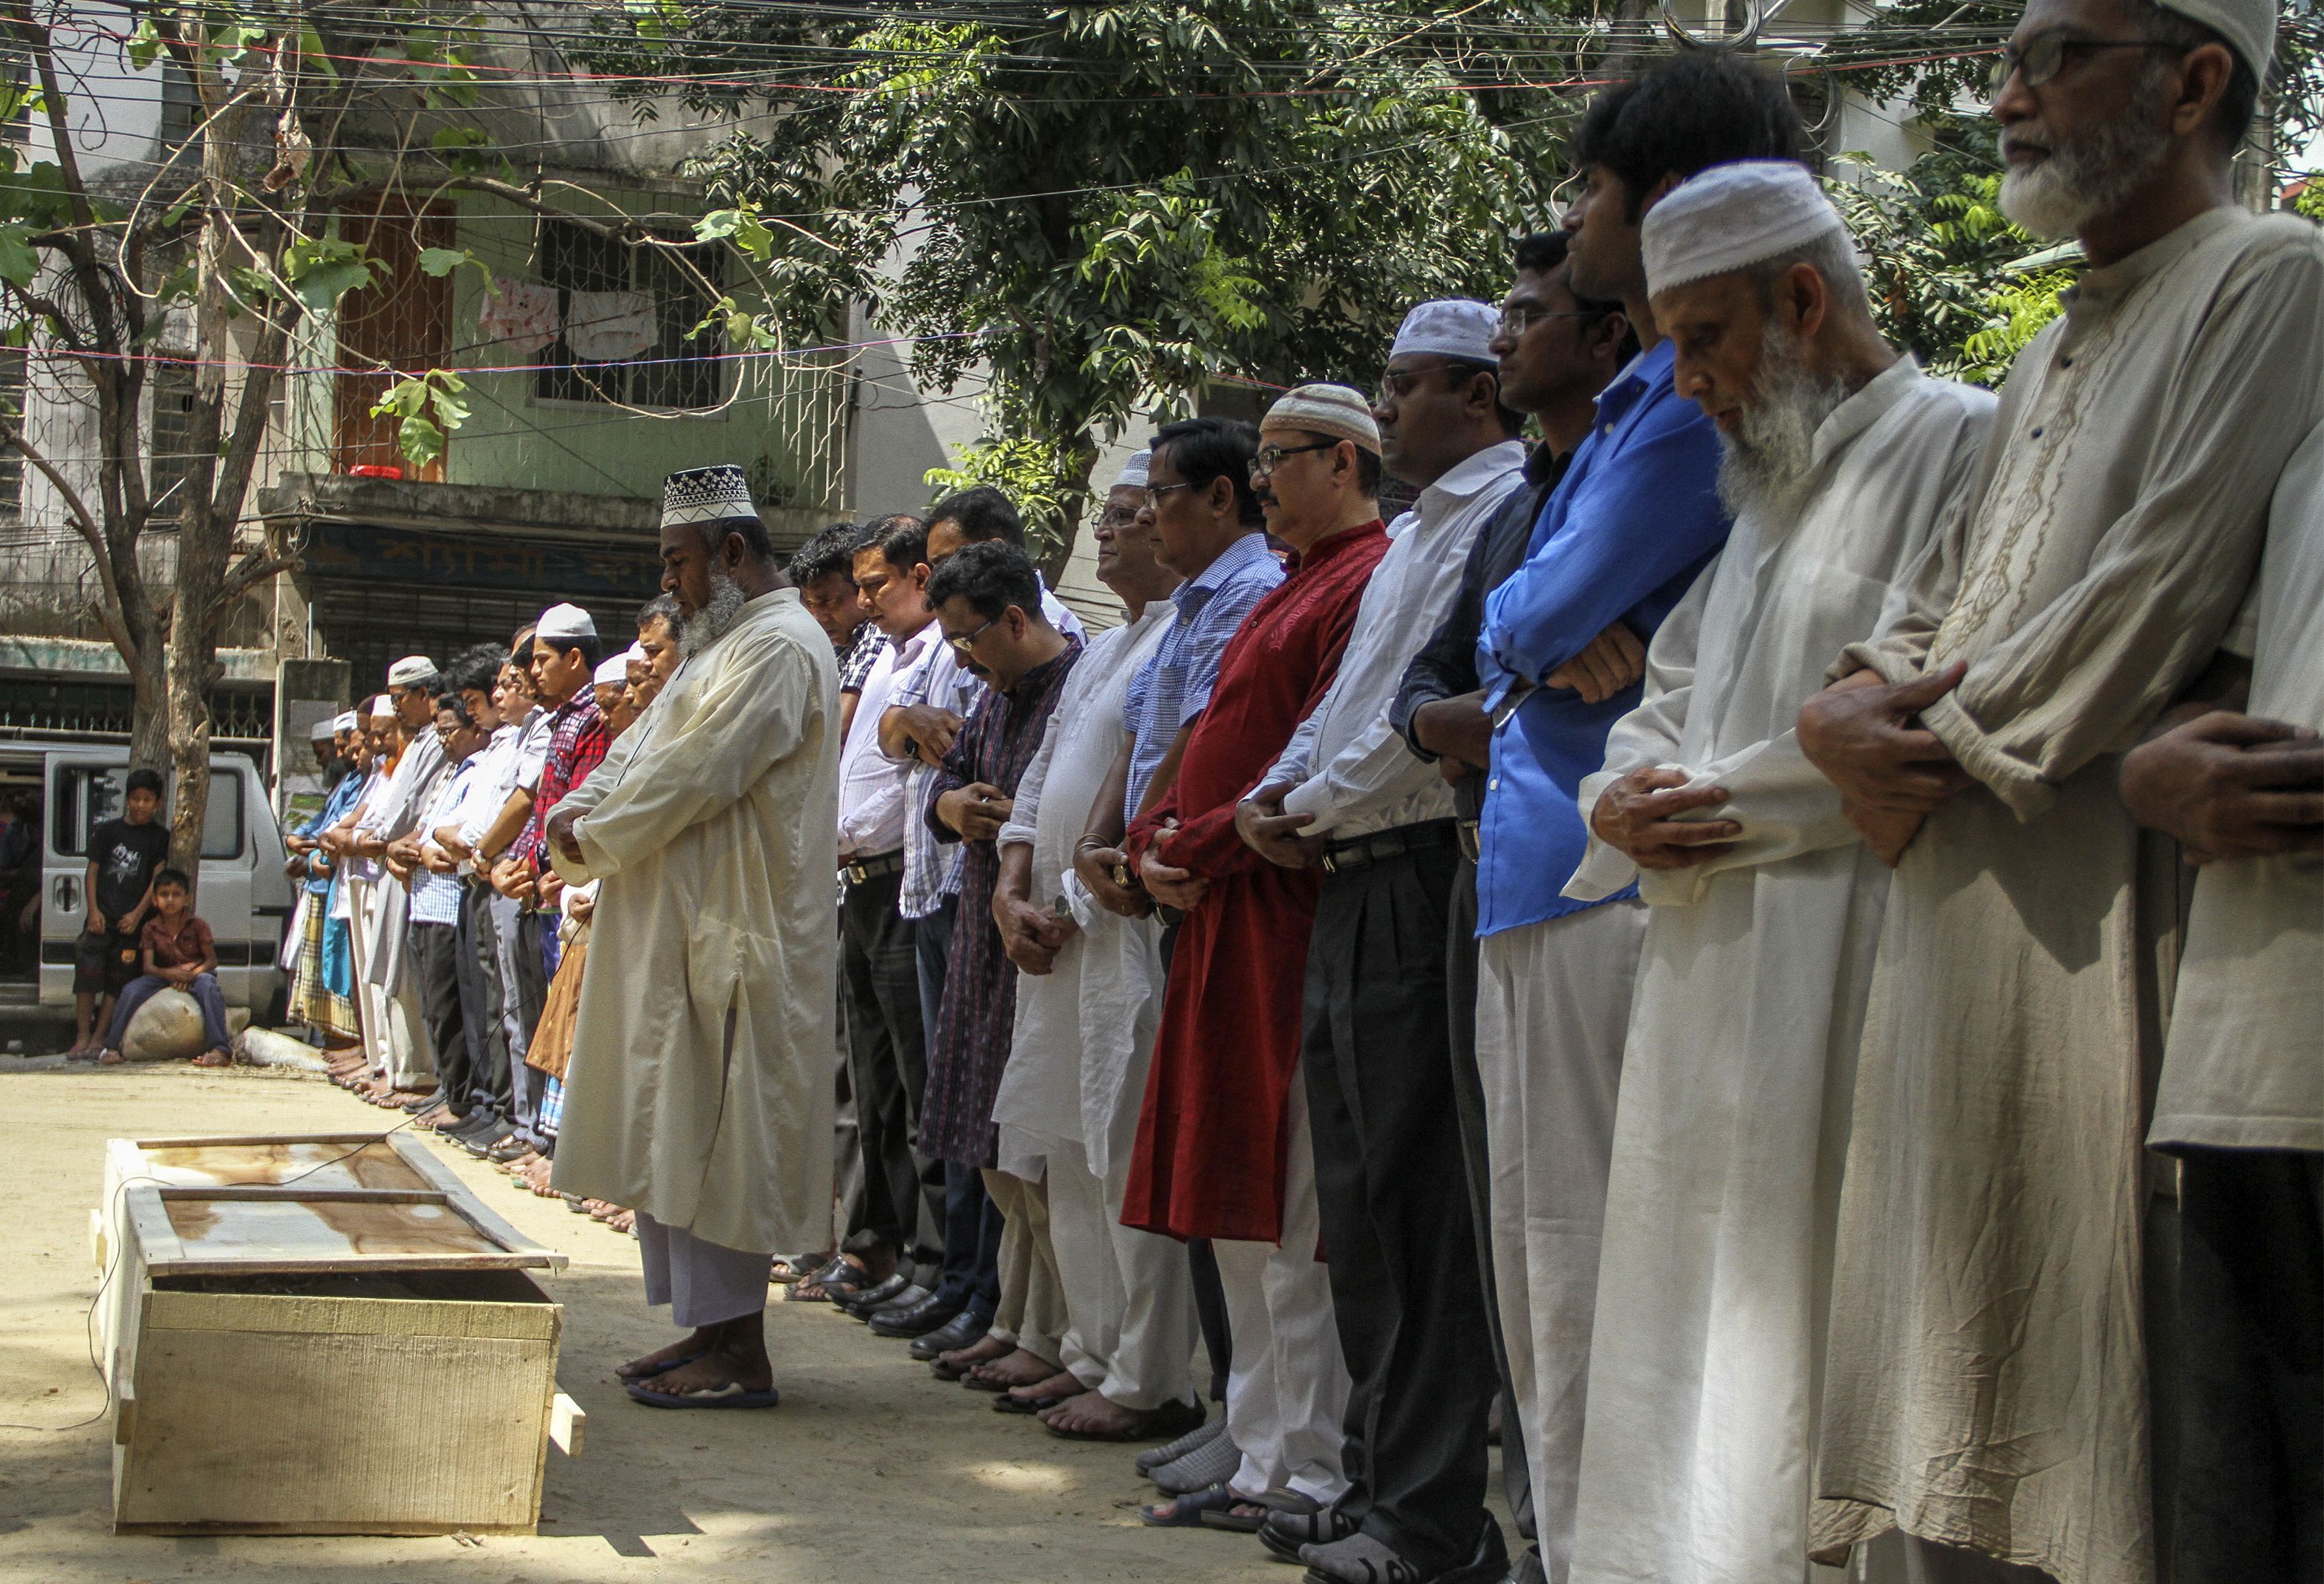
(699, 1087)
(1985, 1385)
(1840, 460)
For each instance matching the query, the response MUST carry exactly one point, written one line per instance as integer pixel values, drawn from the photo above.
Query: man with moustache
(1841, 461)
(1621, 539)
(1553, 354)
(1347, 797)
(698, 1091)
(1986, 1386)
(1087, 1000)
(1223, 1144)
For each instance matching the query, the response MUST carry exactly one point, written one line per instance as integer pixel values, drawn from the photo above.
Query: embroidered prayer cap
(614, 669)
(1453, 326)
(323, 731)
(409, 671)
(717, 493)
(2247, 26)
(345, 721)
(1341, 411)
(565, 623)
(1731, 216)
(1133, 474)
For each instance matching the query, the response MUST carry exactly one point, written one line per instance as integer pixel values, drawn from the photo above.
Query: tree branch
(116, 626)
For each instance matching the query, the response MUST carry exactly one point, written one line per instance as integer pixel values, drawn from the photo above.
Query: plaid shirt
(577, 741)
(856, 661)
(928, 672)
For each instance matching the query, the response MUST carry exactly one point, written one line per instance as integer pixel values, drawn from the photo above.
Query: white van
(64, 789)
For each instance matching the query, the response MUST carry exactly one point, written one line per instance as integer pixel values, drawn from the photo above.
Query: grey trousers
(704, 1284)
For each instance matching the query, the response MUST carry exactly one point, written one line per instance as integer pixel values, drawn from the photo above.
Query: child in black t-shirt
(124, 856)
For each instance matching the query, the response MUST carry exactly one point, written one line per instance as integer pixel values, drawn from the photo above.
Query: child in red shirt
(177, 953)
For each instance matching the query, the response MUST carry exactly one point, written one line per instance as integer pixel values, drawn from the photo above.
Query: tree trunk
(1071, 508)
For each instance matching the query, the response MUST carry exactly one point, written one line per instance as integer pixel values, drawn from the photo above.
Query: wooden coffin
(297, 1360)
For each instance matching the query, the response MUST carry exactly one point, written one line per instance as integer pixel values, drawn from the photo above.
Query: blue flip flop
(1188, 1511)
(733, 1394)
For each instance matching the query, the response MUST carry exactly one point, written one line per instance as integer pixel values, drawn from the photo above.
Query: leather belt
(1472, 847)
(871, 869)
(1358, 851)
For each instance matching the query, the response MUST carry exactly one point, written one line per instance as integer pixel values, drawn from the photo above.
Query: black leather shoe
(959, 1331)
(928, 1314)
(861, 1303)
(907, 1299)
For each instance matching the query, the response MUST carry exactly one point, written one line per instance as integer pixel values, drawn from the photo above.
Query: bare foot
(1091, 1414)
(214, 1058)
(986, 1349)
(683, 1350)
(1054, 1388)
(1016, 1368)
(110, 1058)
(736, 1355)
(623, 1221)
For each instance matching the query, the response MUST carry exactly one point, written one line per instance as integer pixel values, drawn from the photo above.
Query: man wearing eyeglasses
(1345, 796)
(988, 598)
(1222, 1144)
(1987, 1374)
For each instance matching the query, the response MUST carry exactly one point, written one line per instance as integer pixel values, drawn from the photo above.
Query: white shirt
(871, 784)
(1347, 764)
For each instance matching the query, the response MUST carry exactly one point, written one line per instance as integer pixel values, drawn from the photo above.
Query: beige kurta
(1986, 1383)
(2244, 1067)
(699, 1088)
(1733, 1120)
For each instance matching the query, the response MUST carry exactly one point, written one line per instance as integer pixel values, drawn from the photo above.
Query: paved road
(872, 1470)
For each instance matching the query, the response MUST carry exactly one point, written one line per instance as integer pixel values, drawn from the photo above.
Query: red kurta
(1209, 1162)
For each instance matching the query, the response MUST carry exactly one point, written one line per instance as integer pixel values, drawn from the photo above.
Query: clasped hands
(1892, 773)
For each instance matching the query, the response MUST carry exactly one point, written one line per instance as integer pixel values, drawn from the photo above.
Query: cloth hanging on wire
(520, 315)
(607, 327)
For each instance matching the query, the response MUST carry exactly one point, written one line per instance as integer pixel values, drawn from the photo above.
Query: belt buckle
(1331, 864)
(855, 874)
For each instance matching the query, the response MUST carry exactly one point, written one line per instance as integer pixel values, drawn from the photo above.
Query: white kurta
(1732, 1123)
(1985, 1376)
(699, 1090)
(2245, 1066)
(1085, 1029)
(393, 815)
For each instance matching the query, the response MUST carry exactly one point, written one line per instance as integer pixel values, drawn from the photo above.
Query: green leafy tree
(1102, 206)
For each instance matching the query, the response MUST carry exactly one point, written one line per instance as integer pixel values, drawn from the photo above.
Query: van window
(86, 796)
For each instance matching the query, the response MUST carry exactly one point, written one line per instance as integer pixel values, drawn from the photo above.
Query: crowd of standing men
(1681, 933)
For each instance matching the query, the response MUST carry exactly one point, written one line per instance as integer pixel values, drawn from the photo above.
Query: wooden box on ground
(292, 1359)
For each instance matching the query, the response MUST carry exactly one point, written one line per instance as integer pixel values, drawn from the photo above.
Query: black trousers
(1469, 1111)
(2249, 1485)
(535, 930)
(1391, 1191)
(434, 951)
(903, 1200)
(480, 1004)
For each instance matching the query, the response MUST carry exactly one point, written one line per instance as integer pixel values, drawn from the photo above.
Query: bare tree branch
(85, 524)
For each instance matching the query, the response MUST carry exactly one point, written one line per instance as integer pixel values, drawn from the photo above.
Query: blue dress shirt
(1633, 522)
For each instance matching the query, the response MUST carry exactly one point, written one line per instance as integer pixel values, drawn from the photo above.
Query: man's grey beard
(2091, 173)
(707, 625)
(1769, 456)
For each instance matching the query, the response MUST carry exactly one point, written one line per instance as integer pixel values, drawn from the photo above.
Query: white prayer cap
(323, 730)
(346, 721)
(1134, 472)
(2247, 26)
(409, 671)
(383, 708)
(615, 669)
(1455, 326)
(635, 655)
(1729, 218)
(1340, 411)
(718, 493)
(564, 623)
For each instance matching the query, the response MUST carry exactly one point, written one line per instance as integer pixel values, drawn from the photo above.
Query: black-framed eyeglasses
(1515, 321)
(1270, 457)
(1154, 493)
(967, 640)
(2040, 61)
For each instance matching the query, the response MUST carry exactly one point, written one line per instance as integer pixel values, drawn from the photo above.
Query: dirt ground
(870, 1470)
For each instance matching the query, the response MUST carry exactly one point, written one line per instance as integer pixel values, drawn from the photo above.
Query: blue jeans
(146, 986)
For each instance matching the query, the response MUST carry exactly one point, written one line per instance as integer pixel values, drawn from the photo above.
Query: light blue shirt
(1174, 686)
(1633, 521)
